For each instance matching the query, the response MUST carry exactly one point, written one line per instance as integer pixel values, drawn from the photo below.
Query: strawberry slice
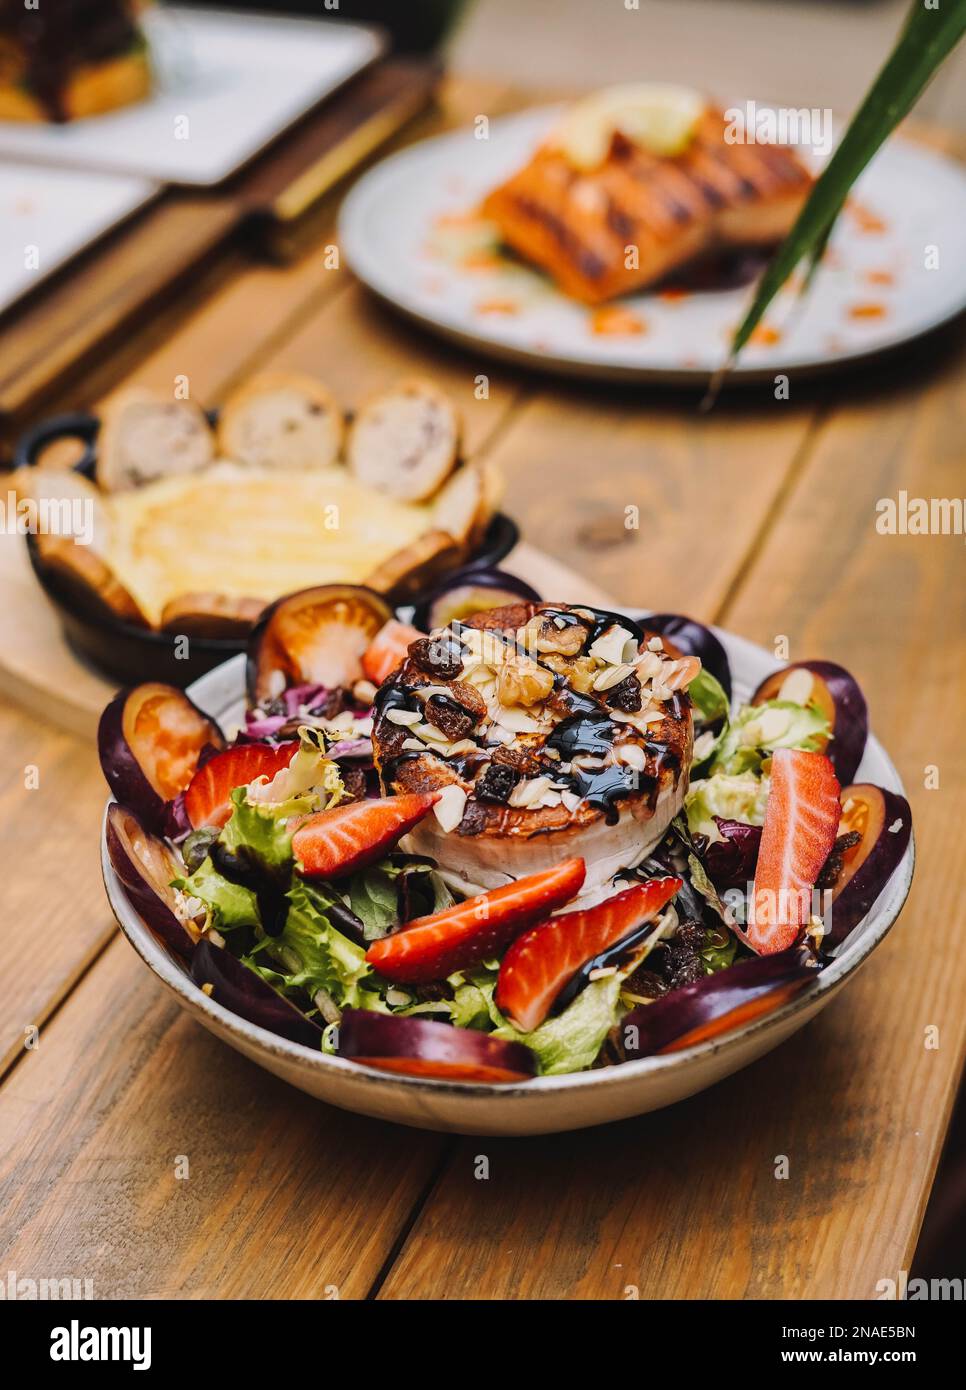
(431, 948)
(208, 797)
(336, 842)
(388, 650)
(801, 823)
(540, 963)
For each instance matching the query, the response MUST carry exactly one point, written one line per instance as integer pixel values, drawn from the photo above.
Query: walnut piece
(544, 636)
(580, 671)
(523, 682)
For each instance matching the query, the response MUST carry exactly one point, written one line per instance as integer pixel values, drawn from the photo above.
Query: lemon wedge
(655, 115)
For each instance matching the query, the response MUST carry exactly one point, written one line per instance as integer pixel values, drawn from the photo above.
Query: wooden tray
(40, 670)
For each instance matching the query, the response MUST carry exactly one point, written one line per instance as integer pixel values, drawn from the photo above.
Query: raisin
(679, 963)
(830, 871)
(626, 695)
(497, 783)
(689, 972)
(690, 933)
(354, 781)
(519, 759)
(450, 718)
(438, 656)
(434, 991)
(645, 984)
(474, 819)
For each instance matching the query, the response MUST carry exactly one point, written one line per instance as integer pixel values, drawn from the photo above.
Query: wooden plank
(284, 1197)
(644, 500)
(685, 1203)
(359, 348)
(55, 915)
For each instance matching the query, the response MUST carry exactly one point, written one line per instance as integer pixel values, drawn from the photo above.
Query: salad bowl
(545, 1104)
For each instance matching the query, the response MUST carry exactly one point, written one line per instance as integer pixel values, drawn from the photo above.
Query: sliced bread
(405, 441)
(145, 436)
(464, 506)
(282, 420)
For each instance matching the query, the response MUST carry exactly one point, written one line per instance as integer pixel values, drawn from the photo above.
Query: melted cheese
(252, 533)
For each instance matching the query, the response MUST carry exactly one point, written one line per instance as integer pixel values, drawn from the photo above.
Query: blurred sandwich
(66, 59)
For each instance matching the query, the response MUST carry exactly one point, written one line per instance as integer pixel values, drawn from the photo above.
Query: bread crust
(89, 576)
(211, 615)
(412, 567)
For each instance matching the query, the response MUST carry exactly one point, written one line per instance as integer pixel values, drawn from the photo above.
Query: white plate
(400, 231)
(58, 213)
(237, 79)
(548, 1104)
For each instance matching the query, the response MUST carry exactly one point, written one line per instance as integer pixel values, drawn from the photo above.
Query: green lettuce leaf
(715, 958)
(572, 1040)
(229, 904)
(373, 895)
(746, 745)
(712, 705)
(708, 696)
(733, 797)
(262, 832)
(314, 955)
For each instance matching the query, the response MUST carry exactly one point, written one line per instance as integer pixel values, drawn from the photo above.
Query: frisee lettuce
(314, 955)
(229, 905)
(572, 1040)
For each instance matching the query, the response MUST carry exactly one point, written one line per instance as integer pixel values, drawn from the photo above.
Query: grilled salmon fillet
(534, 764)
(578, 225)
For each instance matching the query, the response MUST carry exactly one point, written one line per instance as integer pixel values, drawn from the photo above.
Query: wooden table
(760, 516)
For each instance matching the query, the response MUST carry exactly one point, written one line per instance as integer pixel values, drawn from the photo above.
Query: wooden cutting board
(40, 671)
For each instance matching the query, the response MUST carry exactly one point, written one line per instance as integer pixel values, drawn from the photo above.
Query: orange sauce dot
(766, 335)
(867, 311)
(615, 320)
(880, 277)
(480, 261)
(457, 220)
(866, 220)
(498, 306)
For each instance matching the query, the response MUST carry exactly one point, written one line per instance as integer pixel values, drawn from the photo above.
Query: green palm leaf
(928, 37)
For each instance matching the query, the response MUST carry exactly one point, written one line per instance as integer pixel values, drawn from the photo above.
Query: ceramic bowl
(547, 1104)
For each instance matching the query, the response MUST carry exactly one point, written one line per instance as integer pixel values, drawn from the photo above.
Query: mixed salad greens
(272, 865)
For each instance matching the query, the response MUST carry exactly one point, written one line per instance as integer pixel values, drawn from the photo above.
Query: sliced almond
(450, 806)
(797, 686)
